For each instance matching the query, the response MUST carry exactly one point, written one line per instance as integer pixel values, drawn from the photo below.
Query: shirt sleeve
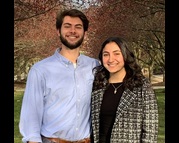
(32, 107)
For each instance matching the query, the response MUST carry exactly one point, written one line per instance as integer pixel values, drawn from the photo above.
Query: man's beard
(71, 46)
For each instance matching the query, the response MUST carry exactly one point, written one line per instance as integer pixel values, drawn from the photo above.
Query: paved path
(154, 87)
(158, 87)
(155, 79)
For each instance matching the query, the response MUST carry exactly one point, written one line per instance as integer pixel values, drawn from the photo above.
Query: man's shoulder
(91, 60)
(88, 57)
(43, 61)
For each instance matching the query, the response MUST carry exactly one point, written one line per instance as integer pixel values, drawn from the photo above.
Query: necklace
(115, 88)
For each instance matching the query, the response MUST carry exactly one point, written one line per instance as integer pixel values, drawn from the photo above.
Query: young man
(56, 102)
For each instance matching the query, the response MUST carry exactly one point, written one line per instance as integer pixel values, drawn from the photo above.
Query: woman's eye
(117, 53)
(104, 55)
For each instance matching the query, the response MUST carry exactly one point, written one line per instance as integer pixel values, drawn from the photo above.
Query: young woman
(124, 105)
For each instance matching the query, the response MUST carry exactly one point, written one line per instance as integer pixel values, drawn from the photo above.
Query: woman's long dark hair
(134, 76)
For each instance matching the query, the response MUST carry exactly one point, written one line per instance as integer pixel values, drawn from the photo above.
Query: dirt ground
(19, 86)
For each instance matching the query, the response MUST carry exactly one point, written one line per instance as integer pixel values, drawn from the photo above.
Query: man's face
(72, 32)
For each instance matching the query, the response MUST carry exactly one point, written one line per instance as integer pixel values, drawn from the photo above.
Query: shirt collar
(65, 60)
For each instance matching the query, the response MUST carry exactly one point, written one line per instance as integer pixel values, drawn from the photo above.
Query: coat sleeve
(150, 116)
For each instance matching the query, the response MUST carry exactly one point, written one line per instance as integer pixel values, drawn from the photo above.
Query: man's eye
(79, 27)
(66, 26)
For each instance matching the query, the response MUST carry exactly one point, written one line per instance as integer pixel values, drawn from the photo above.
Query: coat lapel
(126, 100)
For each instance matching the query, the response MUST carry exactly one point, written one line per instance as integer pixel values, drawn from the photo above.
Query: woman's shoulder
(146, 82)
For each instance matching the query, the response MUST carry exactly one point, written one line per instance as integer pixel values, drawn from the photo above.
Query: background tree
(141, 22)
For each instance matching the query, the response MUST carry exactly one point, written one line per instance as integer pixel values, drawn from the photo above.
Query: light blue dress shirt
(57, 99)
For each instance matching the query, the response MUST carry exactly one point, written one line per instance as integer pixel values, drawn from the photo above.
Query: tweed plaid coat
(136, 116)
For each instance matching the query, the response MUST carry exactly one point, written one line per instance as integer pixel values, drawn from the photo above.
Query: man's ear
(85, 35)
(58, 32)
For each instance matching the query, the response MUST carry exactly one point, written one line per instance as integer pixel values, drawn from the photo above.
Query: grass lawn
(17, 105)
(161, 103)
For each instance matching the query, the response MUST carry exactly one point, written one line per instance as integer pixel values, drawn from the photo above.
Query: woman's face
(112, 58)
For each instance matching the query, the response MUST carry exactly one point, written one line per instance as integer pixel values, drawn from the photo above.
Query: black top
(108, 111)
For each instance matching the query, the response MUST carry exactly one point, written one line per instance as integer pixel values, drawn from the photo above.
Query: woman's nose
(111, 58)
